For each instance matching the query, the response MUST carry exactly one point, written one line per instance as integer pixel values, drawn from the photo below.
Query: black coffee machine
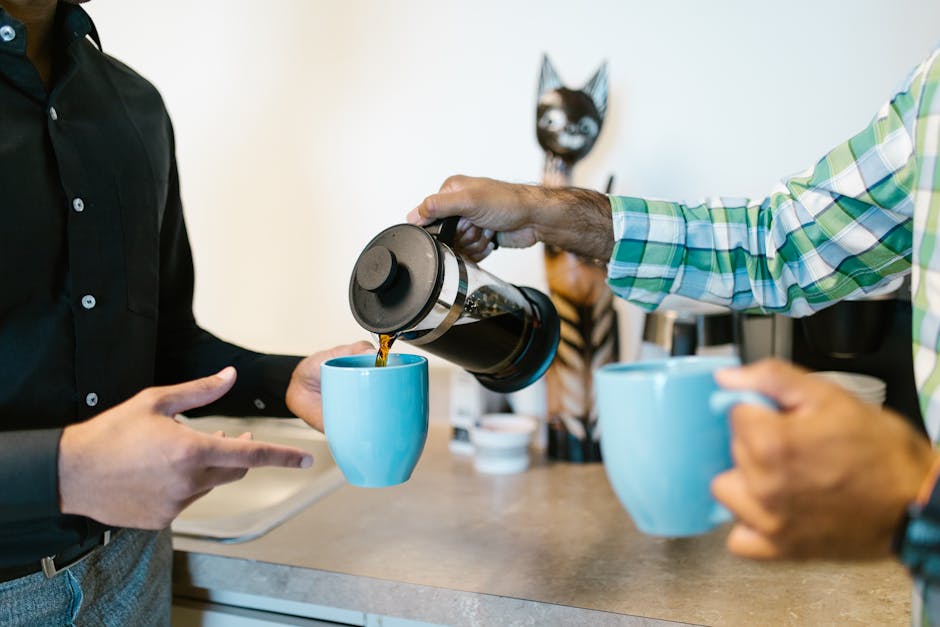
(869, 336)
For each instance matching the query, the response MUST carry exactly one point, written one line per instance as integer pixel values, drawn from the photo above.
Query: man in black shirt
(96, 284)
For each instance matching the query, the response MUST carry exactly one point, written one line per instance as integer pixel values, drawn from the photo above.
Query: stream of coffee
(385, 345)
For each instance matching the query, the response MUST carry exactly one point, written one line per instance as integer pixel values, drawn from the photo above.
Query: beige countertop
(548, 546)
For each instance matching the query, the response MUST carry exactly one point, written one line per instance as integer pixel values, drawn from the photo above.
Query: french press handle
(444, 230)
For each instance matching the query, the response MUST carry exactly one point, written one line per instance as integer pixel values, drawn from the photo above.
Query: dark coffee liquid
(385, 345)
(485, 345)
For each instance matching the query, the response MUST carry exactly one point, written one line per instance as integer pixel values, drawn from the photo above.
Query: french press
(409, 282)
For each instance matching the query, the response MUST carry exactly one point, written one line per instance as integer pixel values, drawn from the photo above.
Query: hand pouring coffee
(409, 283)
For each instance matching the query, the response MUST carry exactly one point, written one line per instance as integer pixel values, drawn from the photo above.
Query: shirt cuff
(29, 474)
(649, 249)
(270, 378)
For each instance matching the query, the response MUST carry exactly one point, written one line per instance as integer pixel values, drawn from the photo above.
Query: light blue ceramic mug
(375, 419)
(664, 436)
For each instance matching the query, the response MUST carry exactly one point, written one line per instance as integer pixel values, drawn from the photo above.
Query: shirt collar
(74, 23)
(71, 23)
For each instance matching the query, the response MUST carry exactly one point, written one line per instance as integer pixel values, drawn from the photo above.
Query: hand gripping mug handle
(721, 402)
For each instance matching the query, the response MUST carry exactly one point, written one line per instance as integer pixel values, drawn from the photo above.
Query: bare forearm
(577, 220)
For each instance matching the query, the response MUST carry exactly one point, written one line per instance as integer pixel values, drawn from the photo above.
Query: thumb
(435, 207)
(456, 197)
(310, 367)
(355, 348)
(174, 399)
(784, 383)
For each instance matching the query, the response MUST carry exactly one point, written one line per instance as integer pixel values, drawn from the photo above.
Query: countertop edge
(195, 574)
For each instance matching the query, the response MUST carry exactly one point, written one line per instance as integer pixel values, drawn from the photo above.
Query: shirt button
(78, 205)
(259, 403)
(88, 301)
(7, 33)
(91, 399)
(53, 114)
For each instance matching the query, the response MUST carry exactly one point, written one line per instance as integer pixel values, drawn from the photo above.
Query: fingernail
(306, 461)
(226, 374)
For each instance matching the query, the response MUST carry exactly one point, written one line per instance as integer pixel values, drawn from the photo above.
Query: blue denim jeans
(126, 582)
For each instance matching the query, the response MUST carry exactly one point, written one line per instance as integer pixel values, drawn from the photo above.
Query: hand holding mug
(304, 391)
(825, 476)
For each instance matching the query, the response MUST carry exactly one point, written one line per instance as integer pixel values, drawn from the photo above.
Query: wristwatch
(916, 540)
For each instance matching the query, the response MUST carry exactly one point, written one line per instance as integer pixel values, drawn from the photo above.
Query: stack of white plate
(867, 388)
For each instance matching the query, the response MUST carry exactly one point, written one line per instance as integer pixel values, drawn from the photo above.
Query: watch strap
(916, 541)
(919, 546)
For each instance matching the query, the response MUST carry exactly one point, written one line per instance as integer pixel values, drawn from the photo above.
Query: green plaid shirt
(867, 212)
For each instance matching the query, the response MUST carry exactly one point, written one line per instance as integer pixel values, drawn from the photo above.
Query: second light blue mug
(375, 419)
(664, 436)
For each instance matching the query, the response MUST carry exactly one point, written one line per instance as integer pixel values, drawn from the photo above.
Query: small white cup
(864, 387)
(501, 443)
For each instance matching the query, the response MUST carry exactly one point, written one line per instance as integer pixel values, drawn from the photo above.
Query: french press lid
(396, 280)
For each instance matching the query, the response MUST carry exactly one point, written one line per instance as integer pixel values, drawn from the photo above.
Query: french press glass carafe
(409, 282)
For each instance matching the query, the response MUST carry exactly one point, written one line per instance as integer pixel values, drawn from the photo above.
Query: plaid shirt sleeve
(838, 230)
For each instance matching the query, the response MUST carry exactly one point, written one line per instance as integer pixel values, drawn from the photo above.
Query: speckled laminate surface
(548, 546)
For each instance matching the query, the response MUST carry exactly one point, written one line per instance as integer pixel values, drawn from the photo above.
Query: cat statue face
(568, 121)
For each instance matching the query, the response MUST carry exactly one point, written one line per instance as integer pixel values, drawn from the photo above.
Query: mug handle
(721, 402)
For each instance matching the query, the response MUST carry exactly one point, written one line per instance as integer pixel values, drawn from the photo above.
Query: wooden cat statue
(568, 123)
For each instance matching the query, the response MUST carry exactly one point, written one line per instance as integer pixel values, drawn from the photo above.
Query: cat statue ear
(548, 77)
(597, 88)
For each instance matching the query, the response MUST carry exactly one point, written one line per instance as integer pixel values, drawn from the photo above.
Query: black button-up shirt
(96, 275)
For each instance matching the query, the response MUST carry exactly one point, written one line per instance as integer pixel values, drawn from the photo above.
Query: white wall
(305, 127)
